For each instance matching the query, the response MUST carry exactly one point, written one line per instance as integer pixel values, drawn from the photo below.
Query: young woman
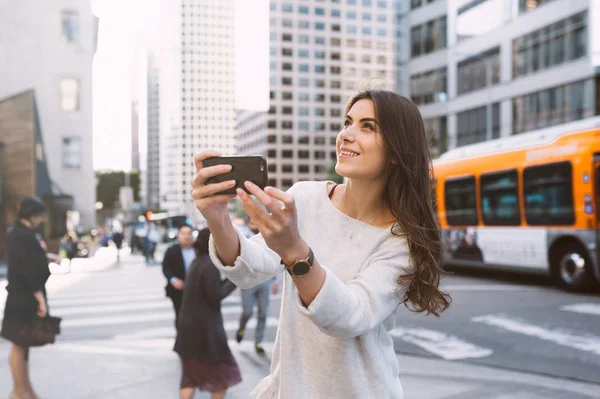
(352, 253)
(201, 343)
(27, 275)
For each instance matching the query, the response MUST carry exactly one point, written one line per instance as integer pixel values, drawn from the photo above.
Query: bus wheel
(572, 268)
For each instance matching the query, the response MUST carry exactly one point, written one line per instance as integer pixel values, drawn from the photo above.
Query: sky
(126, 32)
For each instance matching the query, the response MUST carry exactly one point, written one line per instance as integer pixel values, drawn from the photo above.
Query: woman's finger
(202, 155)
(286, 198)
(271, 204)
(212, 189)
(206, 173)
(254, 210)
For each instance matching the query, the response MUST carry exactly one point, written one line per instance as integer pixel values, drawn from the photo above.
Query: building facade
(48, 47)
(151, 175)
(191, 97)
(321, 53)
(480, 70)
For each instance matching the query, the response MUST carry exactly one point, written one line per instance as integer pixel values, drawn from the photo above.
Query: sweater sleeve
(347, 310)
(255, 264)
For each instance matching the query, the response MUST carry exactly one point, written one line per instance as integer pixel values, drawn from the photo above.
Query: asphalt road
(501, 320)
(512, 322)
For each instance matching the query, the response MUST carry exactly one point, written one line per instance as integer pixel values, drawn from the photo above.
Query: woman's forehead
(362, 108)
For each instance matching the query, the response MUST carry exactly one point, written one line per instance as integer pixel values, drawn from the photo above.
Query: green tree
(110, 181)
(332, 174)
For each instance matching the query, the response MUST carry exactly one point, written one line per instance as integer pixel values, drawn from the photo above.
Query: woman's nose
(348, 134)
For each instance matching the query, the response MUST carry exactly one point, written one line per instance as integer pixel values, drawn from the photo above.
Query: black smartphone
(243, 168)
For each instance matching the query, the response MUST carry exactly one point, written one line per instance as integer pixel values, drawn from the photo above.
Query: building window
(554, 106)
(429, 87)
(471, 126)
(428, 37)
(319, 11)
(436, 130)
(70, 26)
(552, 45)
(69, 94)
(479, 71)
(460, 201)
(71, 152)
(500, 198)
(548, 192)
(320, 26)
(287, 8)
(303, 10)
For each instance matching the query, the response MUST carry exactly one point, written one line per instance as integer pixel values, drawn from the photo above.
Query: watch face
(301, 268)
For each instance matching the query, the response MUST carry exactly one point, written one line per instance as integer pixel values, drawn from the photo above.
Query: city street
(117, 337)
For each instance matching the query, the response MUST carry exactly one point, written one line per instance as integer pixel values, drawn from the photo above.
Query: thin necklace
(362, 227)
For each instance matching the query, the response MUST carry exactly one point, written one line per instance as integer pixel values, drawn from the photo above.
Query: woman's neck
(363, 200)
(25, 222)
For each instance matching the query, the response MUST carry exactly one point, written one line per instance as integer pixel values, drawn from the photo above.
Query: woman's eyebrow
(369, 120)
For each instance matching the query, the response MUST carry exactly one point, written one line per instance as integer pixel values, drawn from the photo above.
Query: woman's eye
(346, 123)
(369, 126)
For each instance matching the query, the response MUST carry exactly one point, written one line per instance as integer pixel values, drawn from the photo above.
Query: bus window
(549, 194)
(460, 201)
(500, 198)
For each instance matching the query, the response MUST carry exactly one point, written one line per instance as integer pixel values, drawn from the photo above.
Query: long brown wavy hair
(409, 196)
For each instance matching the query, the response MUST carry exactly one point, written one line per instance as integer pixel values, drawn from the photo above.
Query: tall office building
(494, 68)
(191, 97)
(48, 48)
(322, 52)
(152, 171)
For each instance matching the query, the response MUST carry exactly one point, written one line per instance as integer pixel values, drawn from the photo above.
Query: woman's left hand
(278, 223)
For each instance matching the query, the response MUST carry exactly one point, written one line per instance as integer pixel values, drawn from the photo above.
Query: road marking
(162, 332)
(586, 308)
(588, 343)
(488, 287)
(233, 325)
(446, 346)
(104, 300)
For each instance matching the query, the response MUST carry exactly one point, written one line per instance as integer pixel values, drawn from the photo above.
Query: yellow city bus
(526, 202)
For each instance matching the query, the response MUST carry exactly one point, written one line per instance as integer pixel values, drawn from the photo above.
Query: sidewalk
(149, 369)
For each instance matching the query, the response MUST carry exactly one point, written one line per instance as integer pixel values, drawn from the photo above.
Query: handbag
(43, 330)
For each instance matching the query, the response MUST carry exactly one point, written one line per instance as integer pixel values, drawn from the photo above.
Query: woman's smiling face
(361, 151)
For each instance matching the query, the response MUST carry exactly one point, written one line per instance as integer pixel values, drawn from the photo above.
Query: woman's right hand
(42, 308)
(213, 207)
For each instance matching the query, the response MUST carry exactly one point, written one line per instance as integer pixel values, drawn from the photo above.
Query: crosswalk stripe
(161, 332)
(585, 308)
(589, 343)
(122, 293)
(446, 346)
(103, 300)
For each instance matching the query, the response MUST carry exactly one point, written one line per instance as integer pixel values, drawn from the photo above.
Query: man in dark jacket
(178, 259)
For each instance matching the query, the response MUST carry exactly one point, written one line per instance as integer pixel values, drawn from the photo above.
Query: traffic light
(149, 215)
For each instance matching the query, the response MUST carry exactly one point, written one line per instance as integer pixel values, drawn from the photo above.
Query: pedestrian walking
(352, 253)
(150, 241)
(26, 315)
(201, 343)
(176, 262)
(260, 295)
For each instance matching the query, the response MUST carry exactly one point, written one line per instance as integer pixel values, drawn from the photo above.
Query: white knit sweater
(338, 347)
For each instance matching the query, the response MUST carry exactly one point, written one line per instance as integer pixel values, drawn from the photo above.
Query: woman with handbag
(26, 322)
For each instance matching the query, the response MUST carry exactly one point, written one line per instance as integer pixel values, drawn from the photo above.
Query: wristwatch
(302, 266)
